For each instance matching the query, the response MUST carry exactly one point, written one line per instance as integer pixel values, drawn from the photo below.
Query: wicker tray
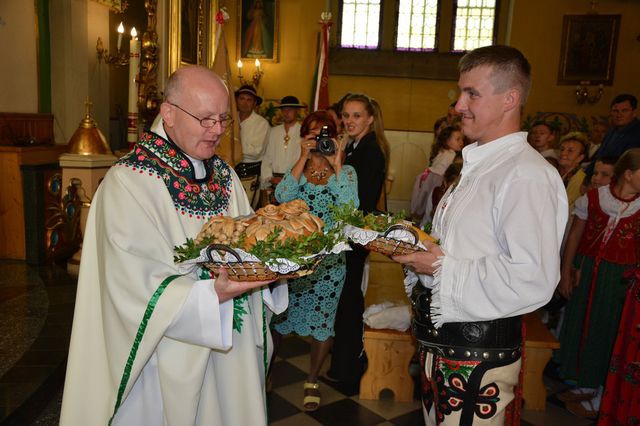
(386, 244)
(240, 270)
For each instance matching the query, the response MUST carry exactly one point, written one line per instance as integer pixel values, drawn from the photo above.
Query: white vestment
(279, 155)
(190, 368)
(254, 133)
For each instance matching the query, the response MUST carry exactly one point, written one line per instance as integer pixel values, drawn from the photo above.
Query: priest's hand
(228, 289)
(422, 262)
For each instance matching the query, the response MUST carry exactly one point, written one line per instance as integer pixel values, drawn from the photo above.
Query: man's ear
(167, 114)
(511, 99)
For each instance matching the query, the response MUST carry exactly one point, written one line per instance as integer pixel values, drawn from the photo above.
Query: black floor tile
(348, 389)
(279, 408)
(409, 419)
(284, 373)
(346, 412)
(42, 358)
(51, 343)
(25, 373)
(293, 346)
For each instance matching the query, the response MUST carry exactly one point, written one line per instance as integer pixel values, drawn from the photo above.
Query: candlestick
(239, 68)
(134, 65)
(120, 32)
(257, 63)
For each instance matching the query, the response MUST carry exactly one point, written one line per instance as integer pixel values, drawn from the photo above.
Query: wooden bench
(539, 344)
(389, 353)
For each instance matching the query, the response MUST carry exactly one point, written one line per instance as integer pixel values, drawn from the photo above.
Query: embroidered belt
(245, 170)
(496, 340)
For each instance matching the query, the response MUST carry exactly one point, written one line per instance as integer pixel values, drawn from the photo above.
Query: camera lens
(325, 145)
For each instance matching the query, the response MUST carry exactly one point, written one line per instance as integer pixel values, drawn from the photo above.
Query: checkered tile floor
(338, 407)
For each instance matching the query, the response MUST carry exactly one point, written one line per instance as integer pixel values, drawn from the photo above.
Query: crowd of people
(498, 199)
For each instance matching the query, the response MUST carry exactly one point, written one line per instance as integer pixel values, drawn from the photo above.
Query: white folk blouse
(500, 228)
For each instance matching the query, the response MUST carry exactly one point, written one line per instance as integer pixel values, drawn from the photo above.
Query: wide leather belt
(496, 340)
(245, 170)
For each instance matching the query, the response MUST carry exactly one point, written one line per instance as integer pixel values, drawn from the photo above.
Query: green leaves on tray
(349, 214)
(293, 249)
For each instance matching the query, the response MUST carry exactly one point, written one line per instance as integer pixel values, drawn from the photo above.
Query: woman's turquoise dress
(313, 299)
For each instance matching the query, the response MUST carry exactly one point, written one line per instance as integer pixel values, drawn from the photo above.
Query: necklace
(287, 138)
(318, 174)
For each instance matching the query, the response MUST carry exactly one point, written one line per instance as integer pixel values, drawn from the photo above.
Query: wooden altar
(25, 140)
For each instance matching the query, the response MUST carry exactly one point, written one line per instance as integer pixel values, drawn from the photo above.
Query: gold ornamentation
(318, 174)
(149, 98)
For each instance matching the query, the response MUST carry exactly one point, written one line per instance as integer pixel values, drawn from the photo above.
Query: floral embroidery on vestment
(199, 198)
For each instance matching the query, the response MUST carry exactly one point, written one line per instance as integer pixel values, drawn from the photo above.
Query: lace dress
(313, 299)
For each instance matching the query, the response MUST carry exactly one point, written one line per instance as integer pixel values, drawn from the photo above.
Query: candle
(258, 65)
(120, 32)
(239, 67)
(134, 65)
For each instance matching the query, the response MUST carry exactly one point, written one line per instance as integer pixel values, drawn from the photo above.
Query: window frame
(339, 29)
(386, 61)
(436, 44)
(496, 24)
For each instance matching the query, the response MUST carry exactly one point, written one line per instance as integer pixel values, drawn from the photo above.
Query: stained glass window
(417, 25)
(474, 24)
(360, 24)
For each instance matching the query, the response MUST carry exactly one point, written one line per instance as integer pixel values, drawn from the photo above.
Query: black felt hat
(290, 102)
(251, 91)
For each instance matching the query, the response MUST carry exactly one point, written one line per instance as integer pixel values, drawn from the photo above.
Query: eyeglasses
(207, 122)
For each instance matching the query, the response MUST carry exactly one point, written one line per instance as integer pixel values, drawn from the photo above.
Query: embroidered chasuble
(151, 345)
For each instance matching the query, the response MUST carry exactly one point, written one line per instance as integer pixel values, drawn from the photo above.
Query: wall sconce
(583, 95)
(119, 58)
(255, 78)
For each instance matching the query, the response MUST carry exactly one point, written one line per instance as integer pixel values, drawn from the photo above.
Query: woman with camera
(320, 179)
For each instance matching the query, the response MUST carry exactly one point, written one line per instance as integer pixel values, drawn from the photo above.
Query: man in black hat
(283, 146)
(254, 131)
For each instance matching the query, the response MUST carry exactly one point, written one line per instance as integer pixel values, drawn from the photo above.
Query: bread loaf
(293, 218)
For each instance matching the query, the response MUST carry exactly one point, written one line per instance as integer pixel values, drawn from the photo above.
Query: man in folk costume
(150, 346)
(500, 229)
(254, 134)
(283, 146)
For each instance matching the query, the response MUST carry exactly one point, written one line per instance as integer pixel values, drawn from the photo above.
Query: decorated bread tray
(388, 234)
(244, 266)
(396, 240)
(283, 241)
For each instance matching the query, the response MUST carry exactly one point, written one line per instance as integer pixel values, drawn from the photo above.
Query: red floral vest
(622, 245)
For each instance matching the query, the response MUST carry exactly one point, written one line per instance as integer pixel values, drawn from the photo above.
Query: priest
(151, 345)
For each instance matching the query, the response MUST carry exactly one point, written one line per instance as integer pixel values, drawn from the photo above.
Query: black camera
(324, 143)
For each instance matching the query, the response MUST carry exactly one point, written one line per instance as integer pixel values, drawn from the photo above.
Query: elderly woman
(573, 147)
(320, 179)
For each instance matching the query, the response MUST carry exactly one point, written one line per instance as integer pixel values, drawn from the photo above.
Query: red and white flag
(229, 149)
(321, 76)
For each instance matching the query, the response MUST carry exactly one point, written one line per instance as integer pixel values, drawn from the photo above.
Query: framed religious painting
(588, 50)
(258, 30)
(191, 32)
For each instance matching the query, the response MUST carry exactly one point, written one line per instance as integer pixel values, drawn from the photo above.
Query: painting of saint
(257, 34)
